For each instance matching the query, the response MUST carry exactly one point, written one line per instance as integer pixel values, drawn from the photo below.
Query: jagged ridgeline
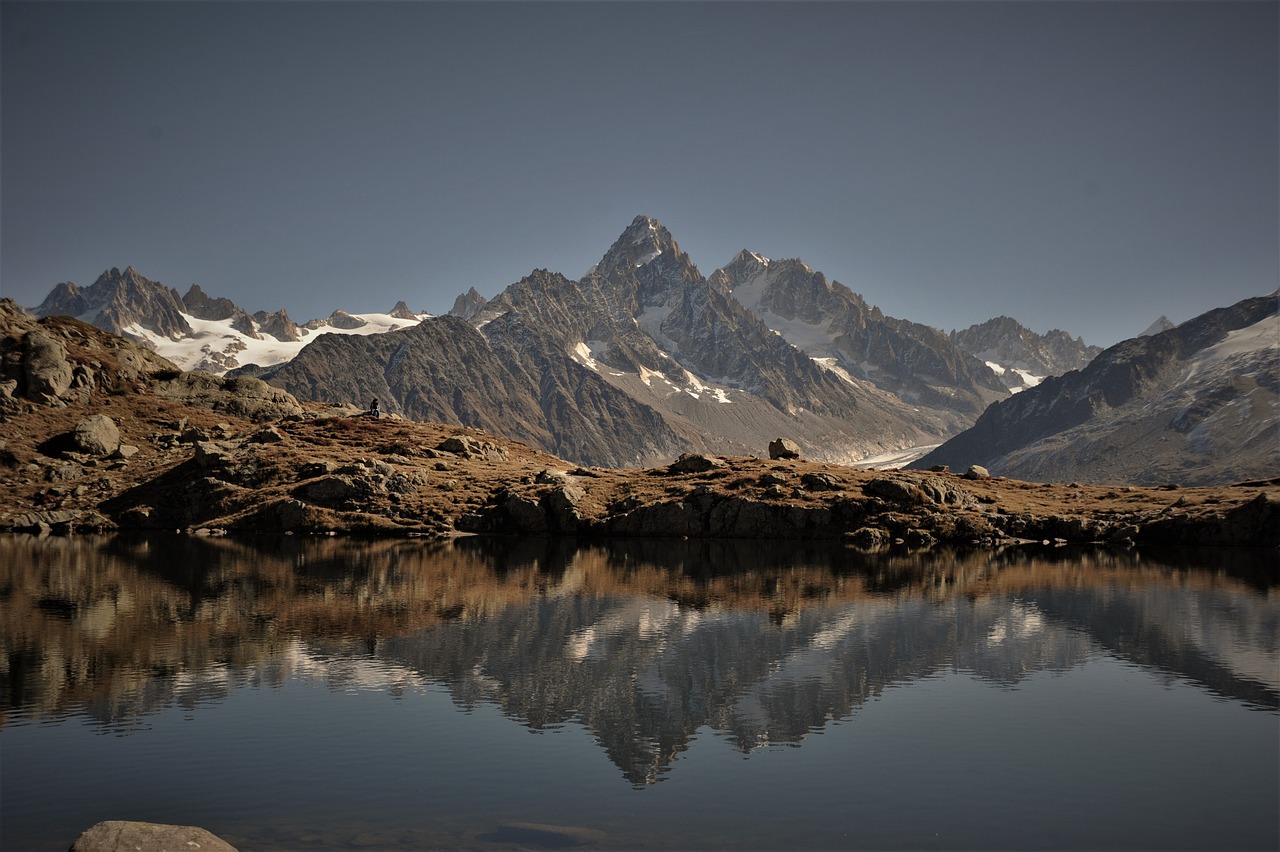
(1194, 404)
(644, 357)
(639, 360)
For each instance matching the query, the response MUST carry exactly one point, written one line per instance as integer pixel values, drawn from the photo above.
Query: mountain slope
(651, 326)
(854, 341)
(1196, 404)
(444, 370)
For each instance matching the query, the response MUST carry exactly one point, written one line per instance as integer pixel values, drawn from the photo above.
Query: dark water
(301, 693)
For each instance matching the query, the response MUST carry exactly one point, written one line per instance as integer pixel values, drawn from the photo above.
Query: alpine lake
(340, 693)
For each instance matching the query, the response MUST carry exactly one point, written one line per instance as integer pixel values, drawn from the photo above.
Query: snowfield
(217, 347)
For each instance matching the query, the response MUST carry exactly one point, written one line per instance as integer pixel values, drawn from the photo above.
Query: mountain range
(1195, 404)
(639, 360)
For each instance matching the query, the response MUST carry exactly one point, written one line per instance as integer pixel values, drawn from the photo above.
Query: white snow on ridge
(1260, 336)
(650, 322)
(584, 356)
(215, 340)
(696, 389)
(833, 366)
(1028, 378)
(647, 376)
(748, 293)
(814, 340)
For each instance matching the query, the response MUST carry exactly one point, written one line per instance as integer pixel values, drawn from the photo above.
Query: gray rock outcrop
(695, 463)
(242, 396)
(129, 836)
(96, 435)
(278, 325)
(45, 367)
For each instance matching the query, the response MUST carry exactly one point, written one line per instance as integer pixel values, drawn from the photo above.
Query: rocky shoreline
(98, 434)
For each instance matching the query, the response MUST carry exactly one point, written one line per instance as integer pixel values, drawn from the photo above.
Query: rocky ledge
(97, 434)
(341, 472)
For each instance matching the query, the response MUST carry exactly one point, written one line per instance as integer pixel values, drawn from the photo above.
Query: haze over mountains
(644, 358)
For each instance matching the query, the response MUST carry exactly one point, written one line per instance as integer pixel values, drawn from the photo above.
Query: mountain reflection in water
(642, 643)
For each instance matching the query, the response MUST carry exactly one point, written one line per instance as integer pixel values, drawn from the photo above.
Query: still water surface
(301, 693)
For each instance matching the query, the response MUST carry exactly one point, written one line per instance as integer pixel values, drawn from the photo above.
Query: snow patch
(215, 346)
(647, 258)
(894, 459)
(650, 322)
(749, 292)
(647, 376)
(833, 366)
(1260, 336)
(584, 356)
(1026, 378)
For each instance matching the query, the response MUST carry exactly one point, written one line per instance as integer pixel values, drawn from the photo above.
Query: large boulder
(96, 435)
(121, 835)
(781, 448)
(563, 509)
(241, 396)
(45, 367)
(335, 491)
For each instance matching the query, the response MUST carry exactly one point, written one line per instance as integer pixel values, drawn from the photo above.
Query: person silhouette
(373, 409)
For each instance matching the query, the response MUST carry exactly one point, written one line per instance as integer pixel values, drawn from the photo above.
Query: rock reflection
(643, 643)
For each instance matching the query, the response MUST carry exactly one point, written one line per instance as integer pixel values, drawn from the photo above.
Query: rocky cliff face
(1196, 404)
(201, 305)
(278, 325)
(1021, 357)
(444, 370)
(855, 341)
(120, 300)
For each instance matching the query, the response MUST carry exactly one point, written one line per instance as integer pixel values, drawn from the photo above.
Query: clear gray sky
(1082, 165)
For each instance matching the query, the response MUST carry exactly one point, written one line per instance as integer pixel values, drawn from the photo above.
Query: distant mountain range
(641, 359)
(644, 358)
(1195, 404)
(198, 332)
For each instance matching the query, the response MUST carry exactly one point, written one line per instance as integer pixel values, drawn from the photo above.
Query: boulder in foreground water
(120, 835)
